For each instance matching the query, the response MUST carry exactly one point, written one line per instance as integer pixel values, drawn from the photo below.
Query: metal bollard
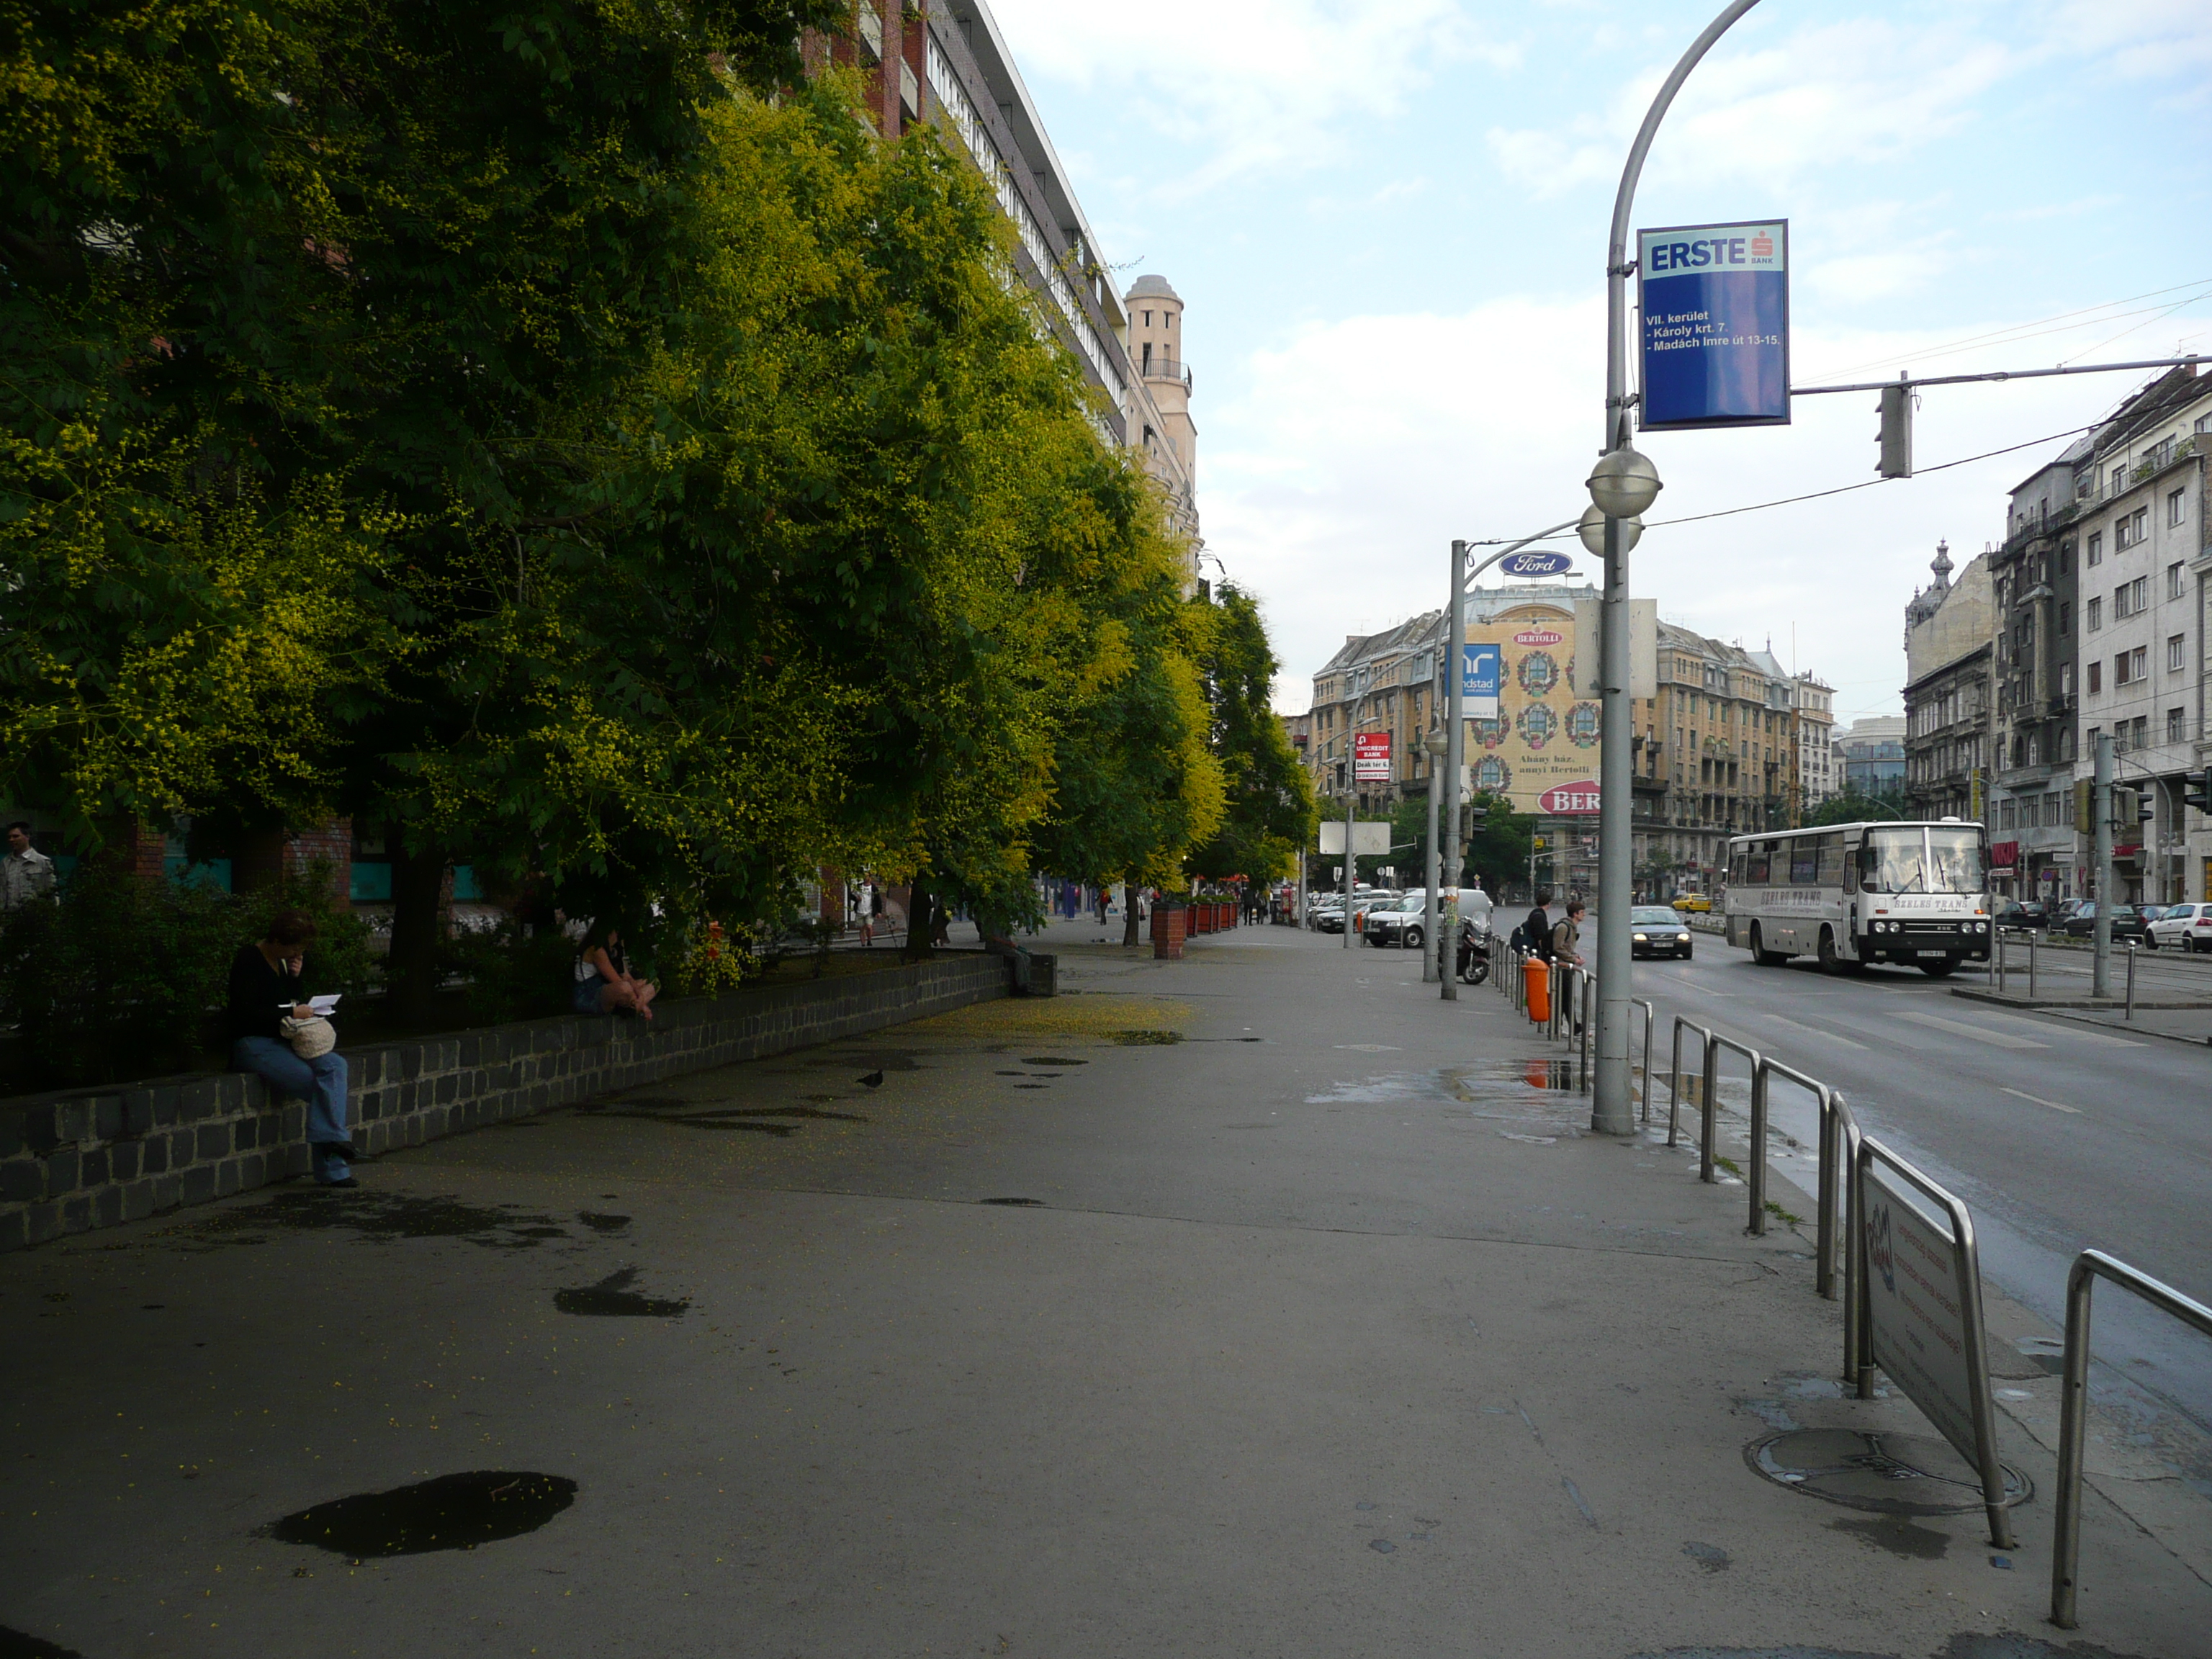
(2033, 940)
(2001, 961)
(2131, 980)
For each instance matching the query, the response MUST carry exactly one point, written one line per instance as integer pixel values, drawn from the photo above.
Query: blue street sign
(1481, 668)
(1715, 301)
(1536, 564)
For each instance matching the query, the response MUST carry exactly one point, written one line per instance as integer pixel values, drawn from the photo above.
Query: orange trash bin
(1539, 990)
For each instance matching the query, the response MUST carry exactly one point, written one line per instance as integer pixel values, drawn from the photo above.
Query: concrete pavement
(1257, 1303)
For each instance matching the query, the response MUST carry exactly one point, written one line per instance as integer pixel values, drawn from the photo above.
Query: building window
(2065, 618)
(2139, 662)
(2097, 548)
(2065, 559)
(2092, 614)
(2006, 816)
(2174, 731)
(2176, 506)
(2096, 677)
(2173, 582)
(2174, 654)
(2119, 483)
(2140, 735)
(2065, 679)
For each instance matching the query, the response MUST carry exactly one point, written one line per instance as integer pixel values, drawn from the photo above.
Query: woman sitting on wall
(264, 992)
(604, 984)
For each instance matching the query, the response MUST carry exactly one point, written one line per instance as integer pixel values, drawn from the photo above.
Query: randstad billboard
(1715, 301)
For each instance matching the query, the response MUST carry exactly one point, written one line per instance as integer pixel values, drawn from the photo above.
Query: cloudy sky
(1388, 219)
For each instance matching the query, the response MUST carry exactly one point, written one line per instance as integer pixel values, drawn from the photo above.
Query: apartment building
(1385, 682)
(2034, 578)
(1818, 776)
(1718, 756)
(2145, 586)
(1871, 752)
(1948, 651)
(946, 61)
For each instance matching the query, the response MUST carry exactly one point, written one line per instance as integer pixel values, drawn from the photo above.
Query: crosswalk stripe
(1810, 1030)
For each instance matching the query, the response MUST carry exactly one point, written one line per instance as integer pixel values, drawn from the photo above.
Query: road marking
(1810, 1030)
(2040, 1101)
(2085, 1037)
(1689, 984)
(1959, 1027)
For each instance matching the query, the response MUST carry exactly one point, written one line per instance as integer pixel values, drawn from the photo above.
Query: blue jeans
(321, 1082)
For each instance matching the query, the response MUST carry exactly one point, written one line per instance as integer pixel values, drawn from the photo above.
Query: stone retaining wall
(93, 1158)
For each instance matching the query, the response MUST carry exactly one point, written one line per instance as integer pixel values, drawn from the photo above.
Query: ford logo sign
(1536, 564)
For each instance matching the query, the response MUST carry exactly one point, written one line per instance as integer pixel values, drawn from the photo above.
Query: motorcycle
(1473, 951)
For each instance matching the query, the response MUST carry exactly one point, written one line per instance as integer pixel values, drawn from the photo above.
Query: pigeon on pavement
(874, 1080)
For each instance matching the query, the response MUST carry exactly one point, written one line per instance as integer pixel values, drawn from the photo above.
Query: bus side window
(1756, 874)
(1831, 861)
(1869, 859)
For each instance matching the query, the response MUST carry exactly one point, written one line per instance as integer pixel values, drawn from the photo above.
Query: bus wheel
(1939, 970)
(1760, 954)
(1830, 962)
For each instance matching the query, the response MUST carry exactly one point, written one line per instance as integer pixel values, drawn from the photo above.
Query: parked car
(1364, 904)
(2025, 913)
(2181, 926)
(1326, 914)
(2127, 922)
(1657, 931)
(1701, 903)
(1401, 923)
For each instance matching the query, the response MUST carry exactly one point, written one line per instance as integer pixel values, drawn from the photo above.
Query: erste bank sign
(1715, 302)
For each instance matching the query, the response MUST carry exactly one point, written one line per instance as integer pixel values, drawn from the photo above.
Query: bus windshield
(1931, 860)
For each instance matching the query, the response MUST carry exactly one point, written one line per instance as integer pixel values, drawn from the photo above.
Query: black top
(1537, 931)
(260, 995)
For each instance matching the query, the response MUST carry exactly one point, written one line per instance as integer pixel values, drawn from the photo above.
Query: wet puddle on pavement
(451, 1512)
(381, 1217)
(1539, 1095)
(611, 1298)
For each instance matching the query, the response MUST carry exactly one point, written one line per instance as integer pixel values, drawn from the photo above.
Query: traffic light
(1896, 435)
(2196, 790)
(2146, 807)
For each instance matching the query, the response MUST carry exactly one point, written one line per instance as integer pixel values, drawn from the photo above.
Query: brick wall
(95, 1157)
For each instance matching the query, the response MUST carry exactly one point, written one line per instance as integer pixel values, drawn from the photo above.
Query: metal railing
(1755, 1177)
(2003, 962)
(2073, 1415)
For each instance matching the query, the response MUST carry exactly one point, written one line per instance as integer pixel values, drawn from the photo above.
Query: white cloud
(1249, 85)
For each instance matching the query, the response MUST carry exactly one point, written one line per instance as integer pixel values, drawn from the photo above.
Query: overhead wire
(2031, 329)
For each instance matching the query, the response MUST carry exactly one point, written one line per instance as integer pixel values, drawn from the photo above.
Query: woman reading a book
(264, 992)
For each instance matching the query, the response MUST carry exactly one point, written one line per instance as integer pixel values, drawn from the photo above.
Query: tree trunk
(1130, 914)
(921, 919)
(410, 971)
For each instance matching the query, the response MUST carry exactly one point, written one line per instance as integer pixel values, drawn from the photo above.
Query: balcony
(1158, 368)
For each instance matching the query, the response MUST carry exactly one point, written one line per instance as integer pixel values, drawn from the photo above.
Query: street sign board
(1915, 1305)
(1370, 757)
(1479, 668)
(1715, 301)
(1536, 564)
(1569, 799)
(1367, 839)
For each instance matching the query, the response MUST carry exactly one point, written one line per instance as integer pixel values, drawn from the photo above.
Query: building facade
(946, 61)
(1718, 756)
(1819, 777)
(1871, 754)
(1947, 694)
(2145, 585)
(2034, 591)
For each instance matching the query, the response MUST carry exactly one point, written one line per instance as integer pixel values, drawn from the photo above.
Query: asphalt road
(2060, 1137)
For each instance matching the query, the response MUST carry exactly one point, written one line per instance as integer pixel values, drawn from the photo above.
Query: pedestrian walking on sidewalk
(265, 989)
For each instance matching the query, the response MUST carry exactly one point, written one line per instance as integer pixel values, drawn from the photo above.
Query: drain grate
(1887, 1473)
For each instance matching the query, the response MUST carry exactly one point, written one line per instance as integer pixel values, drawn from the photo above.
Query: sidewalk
(1256, 1304)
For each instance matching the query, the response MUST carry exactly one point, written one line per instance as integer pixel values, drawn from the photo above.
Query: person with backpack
(1535, 935)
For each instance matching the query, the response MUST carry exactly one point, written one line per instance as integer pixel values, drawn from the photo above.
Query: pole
(1351, 797)
(2101, 813)
(1611, 1109)
(1439, 948)
(1455, 757)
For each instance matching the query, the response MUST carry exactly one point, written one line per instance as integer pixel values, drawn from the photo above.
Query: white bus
(1915, 893)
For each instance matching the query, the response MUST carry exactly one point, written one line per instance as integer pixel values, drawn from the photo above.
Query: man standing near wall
(26, 873)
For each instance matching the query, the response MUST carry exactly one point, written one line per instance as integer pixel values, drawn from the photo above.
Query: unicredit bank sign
(1714, 302)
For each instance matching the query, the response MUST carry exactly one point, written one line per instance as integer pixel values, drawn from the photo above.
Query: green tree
(1852, 806)
(1269, 811)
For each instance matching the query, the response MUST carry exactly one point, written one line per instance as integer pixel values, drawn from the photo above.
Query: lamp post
(1622, 485)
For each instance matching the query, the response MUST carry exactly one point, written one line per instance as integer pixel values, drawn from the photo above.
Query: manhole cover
(1889, 1473)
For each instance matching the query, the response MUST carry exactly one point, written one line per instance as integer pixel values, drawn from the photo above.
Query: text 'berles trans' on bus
(1911, 893)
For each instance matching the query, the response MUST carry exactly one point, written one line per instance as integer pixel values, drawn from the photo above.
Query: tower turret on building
(1165, 432)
